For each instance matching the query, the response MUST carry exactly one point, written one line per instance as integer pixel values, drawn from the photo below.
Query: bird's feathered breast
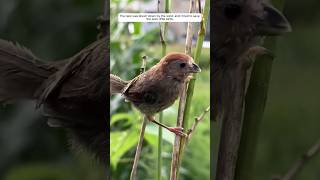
(150, 92)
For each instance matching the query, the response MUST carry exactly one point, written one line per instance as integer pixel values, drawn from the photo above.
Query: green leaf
(120, 143)
(151, 135)
(137, 28)
(121, 116)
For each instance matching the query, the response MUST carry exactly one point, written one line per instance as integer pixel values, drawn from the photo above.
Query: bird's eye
(182, 65)
(232, 11)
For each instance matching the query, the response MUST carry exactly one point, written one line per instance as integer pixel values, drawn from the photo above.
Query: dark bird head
(178, 65)
(247, 18)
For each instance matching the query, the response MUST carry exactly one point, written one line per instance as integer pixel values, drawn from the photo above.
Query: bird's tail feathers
(116, 84)
(21, 73)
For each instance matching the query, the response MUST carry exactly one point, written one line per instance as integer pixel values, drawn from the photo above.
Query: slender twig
(133, 173)
(301, 162)
(199, 6)
(163, 34)
(175, 161)
(197, 121)
(159, 154)
(138, 151)
(189, 30)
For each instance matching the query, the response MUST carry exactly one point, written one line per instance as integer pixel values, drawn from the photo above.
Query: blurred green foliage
(56, 29)
(127, 48)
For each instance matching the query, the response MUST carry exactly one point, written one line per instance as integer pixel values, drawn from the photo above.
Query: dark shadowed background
(52, 29)
(292, 118)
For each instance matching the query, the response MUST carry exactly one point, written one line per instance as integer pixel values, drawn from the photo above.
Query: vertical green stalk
(196, 57)
(190, 90)
(164, 52)
(254, 108)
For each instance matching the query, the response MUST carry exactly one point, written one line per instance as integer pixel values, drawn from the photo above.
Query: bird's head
(178, 65)
(247, 17)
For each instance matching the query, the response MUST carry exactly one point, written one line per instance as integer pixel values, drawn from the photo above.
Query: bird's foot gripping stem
(177, 130)
(252, 53)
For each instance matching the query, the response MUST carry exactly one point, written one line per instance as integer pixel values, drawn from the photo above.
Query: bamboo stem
(196, 57)
(255, 102)
(176, 153)
(177, 147)
(186, 95)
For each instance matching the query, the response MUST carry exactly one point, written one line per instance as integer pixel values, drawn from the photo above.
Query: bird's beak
(194, 68)
(273, 22)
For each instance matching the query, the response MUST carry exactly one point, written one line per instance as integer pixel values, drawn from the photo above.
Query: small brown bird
(157, 88)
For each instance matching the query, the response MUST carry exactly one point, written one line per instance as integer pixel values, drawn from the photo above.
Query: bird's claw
(252, 53)
(178, 131)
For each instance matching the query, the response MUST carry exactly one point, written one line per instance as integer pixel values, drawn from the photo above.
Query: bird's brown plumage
(237, 26)
(73, 92)
(157, 88)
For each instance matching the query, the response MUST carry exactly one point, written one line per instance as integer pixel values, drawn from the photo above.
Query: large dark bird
(72, 92)
(238, 26)
(238, 29)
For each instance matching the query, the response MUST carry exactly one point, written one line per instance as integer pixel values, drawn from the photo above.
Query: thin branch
(196, 122)
(189, 30)
(133, 173)
(301, 162)
(138, 151)
(175, 161)
(199, 6)
(164, 52)
(164, 29)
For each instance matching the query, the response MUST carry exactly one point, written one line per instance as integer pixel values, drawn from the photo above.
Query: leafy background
(129, 42)
(56, 29)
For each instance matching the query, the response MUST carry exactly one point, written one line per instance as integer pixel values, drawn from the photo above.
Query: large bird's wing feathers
(69, 70)
(21, 73)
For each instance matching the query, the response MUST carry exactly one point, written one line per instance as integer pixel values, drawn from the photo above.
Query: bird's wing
(68, 69)
(130, 84)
